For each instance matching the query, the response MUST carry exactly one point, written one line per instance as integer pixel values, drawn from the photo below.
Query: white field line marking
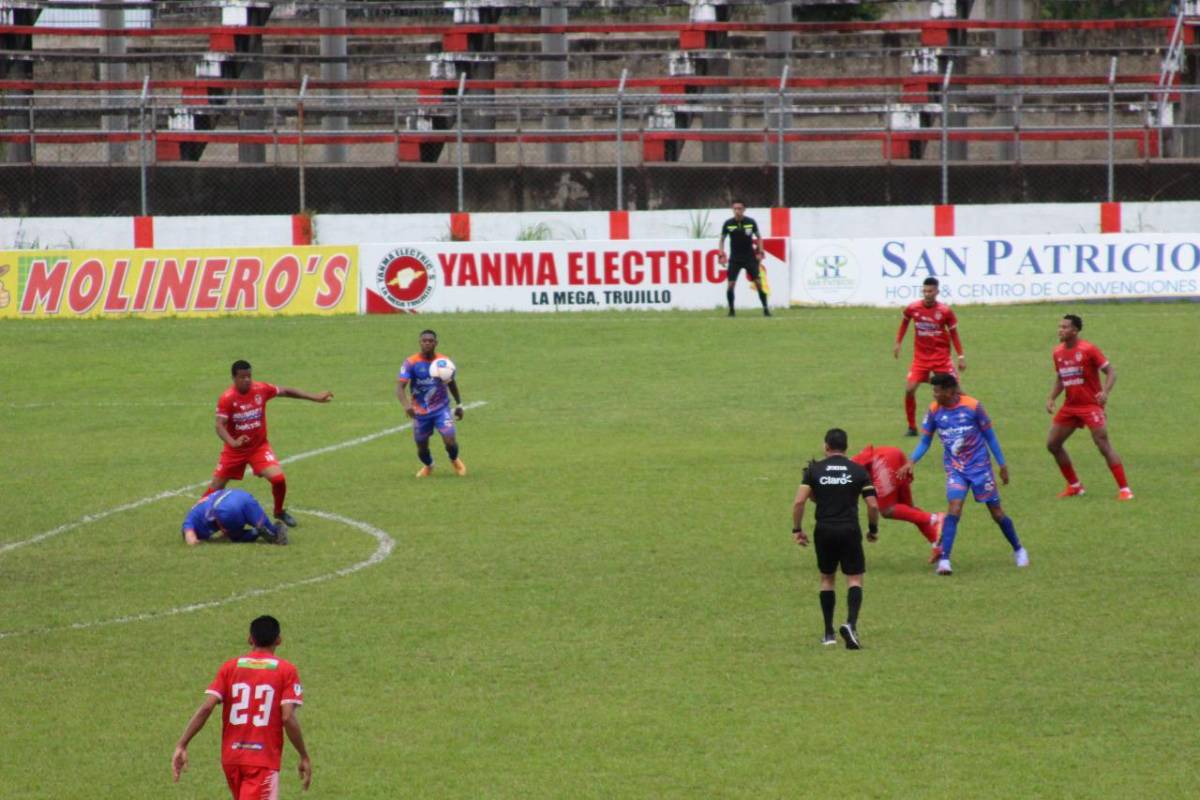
(191, 487)
(383, 549)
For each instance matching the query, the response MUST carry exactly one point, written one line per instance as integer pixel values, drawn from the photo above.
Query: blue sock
(1010, 532)
(426, 457)
(452, 451)
(949, 531)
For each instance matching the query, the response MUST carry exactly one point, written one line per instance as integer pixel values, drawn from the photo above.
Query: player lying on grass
(230, 515)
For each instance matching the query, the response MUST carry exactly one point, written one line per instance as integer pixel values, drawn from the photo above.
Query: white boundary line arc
(383, 549)
(145, 501)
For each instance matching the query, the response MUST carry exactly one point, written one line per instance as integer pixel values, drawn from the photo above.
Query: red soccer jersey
(1079, 368)
(246, 414)
(253, 688)
(931, 332)
(882, 462)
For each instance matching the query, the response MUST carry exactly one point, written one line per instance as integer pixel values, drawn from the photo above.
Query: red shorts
(252, 783)
(902, 494)
(232, 465)
(922, 372)
(1090, 417)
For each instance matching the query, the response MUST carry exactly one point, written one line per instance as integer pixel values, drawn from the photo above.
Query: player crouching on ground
(231, 515)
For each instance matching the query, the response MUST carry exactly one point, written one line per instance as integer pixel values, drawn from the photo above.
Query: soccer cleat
(1021, 556)
(279, 537)
(935, 554)
(1072, 490)
(766, 312)
(287, 519)
(731, 313)
(460, 468)
(424, 472)
(1125, 494)
(943, 567)
(829, 641)
(851, 636)
(911, 432)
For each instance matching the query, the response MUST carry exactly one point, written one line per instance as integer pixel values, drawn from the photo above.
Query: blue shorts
(424, 424)
(981, 482)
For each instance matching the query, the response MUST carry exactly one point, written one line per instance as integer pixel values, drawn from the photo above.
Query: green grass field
(610, 604)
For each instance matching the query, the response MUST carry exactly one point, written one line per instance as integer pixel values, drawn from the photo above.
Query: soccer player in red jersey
(242, 426)
(1077, 367)
(891, 473)
(260, 693)
(935, 329)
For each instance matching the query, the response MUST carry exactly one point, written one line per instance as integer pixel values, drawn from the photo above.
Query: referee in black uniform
(835, 483)
(745, 253)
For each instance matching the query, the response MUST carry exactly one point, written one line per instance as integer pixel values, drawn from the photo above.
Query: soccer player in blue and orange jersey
(260, 693)
(429, 404)
(1077, 367)
(233, 515)
(967, 435)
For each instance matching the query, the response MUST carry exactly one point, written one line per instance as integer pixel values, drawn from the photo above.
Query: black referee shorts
(736, 265)
(842, 548)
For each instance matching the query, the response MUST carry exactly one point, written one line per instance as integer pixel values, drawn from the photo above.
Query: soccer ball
(442, 369)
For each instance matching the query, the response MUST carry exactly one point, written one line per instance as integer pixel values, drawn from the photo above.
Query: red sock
(1118, 472)
(207, 492)
(910, 409)
(278, 491)
(916, 516)
(1068, 471)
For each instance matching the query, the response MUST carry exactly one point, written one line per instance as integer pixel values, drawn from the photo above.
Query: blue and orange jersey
(962, 428)
(428, 393)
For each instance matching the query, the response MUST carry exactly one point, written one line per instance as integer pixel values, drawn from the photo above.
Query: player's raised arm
(298, 394)
(179, 760)
(291, 724)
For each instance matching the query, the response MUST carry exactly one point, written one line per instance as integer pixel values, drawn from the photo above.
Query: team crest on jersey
(1079, 356)
(258, 399)
(298, 689)
(938, 316)
(405, 278)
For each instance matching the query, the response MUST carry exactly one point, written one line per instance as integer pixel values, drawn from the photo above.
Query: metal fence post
(782, 154)
(1112, 142)
(620, 204)
(142, 146)
(300, 141)
(946, 133)
(458, 154)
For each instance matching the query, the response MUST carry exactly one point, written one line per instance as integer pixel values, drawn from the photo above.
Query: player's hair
(430, 331)
(944, 380)
(930, 281)
(264, 631)
(737, 202)
(1076, 320)
(238, 366)
(836, 439)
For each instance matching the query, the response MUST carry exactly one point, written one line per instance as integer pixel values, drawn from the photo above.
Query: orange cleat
(1072, 490)
(460, 468)
(424, 472)
(1125, 494)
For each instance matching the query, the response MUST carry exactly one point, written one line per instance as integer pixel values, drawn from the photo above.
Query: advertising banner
(558, 276)
(187, 282)
(996, 269)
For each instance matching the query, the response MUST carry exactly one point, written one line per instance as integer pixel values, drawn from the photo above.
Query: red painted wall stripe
(618, 224)
(460, 226)
(302, 232)
(143, 232)
(943, 220)
(1110, 217)
(781, 222)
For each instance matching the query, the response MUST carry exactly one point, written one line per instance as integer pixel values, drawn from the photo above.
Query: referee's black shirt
(741, 245)
(837, 483)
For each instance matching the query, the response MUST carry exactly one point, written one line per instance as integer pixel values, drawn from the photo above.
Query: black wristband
(797, 530)
(872, 528)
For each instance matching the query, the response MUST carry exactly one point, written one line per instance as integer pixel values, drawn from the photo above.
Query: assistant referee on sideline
(835, 483)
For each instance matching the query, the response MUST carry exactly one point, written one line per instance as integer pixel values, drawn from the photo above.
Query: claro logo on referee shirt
(406, 278)
(830, 274)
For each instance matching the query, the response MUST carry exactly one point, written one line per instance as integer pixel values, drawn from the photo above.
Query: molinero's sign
(191, 282)
(997, 269)
(557, 276)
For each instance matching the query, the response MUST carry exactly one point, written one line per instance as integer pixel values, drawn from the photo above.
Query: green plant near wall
(1104, 9)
